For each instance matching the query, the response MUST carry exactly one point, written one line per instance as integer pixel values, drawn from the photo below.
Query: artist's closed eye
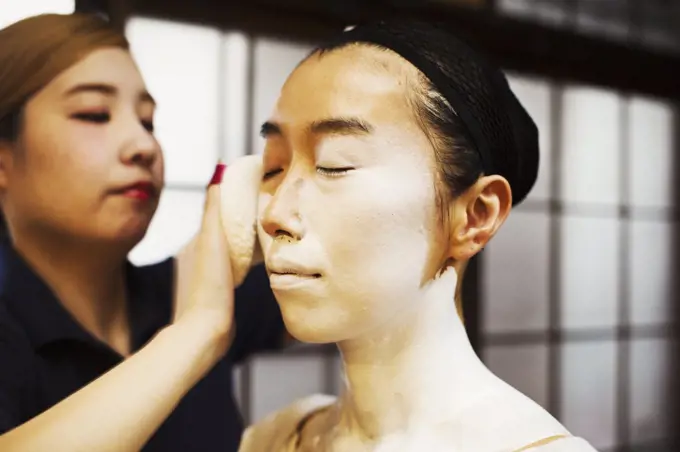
(104, 117)
(98, 118)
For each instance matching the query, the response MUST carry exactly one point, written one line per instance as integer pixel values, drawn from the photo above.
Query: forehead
(111, 66)
(355, 81)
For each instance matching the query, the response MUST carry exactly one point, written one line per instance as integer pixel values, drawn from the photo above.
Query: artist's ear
(6, 163)
(476, 215)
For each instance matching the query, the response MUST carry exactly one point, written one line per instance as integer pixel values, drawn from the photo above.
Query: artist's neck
(420, 369)
(87, 278)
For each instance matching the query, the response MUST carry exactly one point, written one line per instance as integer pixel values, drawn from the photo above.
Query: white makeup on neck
(353, 239)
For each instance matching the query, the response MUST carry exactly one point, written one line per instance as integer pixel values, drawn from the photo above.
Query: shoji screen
(576, 287)
(12, 11)
(198, 77)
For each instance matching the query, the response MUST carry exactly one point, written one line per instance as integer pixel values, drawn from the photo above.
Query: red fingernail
(217, 175)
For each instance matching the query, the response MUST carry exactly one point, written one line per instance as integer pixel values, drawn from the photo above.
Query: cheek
(264, 239)
(160, 166)
(380, 227)
(66, 161)
(67, 148)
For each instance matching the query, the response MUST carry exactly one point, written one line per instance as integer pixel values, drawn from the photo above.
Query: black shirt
(45, 355)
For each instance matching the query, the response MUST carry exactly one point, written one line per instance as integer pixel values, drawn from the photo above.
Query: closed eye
(328, 172)
(103, 118)
(98, 118)
(333, 172)
(271, 173)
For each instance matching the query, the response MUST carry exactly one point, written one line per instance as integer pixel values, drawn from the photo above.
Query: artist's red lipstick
(139, 190)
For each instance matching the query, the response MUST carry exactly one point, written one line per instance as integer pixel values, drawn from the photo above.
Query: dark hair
(10, 126)
(458, 162)
(466, 108)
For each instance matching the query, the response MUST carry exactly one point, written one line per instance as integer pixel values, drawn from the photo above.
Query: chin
(135, 228)
(125, 237)
(130, 234)
(312, 326)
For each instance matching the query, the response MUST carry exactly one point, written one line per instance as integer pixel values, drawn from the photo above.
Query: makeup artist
(92, 355)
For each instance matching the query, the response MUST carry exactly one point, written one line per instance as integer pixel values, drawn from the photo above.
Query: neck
(87, 278)
(416, 371)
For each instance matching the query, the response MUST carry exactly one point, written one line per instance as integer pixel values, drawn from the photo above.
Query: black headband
(438, 79)
(501, 131)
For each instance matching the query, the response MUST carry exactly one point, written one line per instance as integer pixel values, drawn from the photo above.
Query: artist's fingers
(211, 243)
(211, 208)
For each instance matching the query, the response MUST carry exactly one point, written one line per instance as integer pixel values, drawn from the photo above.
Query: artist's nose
(141, 147)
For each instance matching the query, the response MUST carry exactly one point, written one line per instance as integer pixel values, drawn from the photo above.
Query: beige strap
(295, 439)
(541, 442)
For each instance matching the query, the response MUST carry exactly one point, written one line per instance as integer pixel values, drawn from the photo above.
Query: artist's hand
(204, 287)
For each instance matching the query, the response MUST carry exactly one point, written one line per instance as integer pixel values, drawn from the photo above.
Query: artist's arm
(122, 409)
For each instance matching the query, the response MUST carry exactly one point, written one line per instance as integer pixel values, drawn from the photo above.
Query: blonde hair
(37, 49)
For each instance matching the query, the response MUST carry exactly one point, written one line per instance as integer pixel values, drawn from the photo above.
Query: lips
(288, 274)
(285, 274)
(139, 190)
(296, 273)
(287, 280)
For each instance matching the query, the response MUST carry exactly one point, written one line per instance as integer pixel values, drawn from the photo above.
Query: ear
(476, 215)
(6, 163)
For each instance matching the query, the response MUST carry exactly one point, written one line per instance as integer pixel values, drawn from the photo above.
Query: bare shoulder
(274, 431)
(504, 419)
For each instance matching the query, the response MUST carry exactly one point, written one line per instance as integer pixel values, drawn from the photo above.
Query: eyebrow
(330, 126)
(103, 88)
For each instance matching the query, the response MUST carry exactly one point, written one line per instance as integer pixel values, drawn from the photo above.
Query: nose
(141, 149)
(281, 216)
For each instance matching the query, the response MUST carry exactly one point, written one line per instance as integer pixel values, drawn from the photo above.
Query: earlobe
(464, 236)
(3, 168)
(5, 163)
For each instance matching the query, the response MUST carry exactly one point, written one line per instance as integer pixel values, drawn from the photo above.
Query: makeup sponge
(239, 192)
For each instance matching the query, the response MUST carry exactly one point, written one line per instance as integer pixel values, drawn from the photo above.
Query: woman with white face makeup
(97, 354)
(393, 155)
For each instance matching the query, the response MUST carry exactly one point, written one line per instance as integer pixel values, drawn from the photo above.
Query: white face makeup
(347, 211)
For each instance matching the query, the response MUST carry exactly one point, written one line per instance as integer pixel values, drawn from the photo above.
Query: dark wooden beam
(119, 11)
(673, 384)
(116, 11)
(92, 6)
(515, 45)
